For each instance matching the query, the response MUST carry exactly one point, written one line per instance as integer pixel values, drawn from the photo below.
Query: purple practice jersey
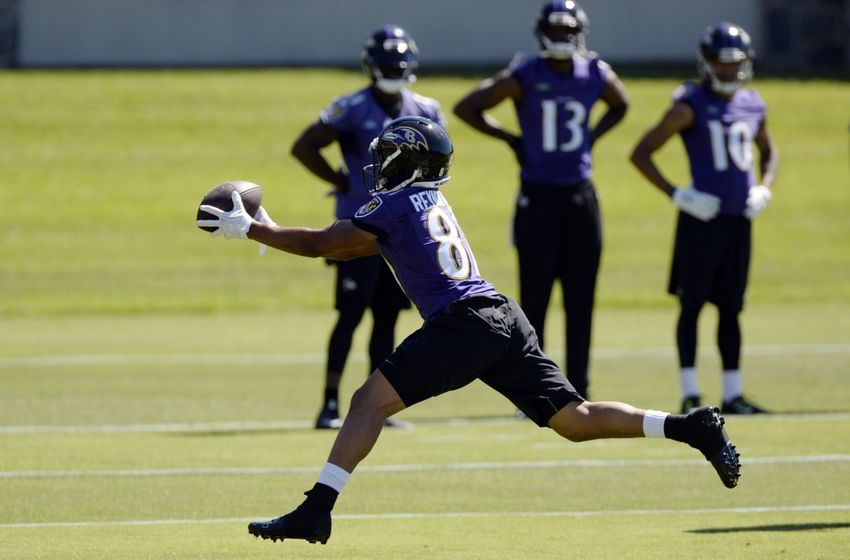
(421, 240)
(553, 116)
(720, 142)
(358, 118)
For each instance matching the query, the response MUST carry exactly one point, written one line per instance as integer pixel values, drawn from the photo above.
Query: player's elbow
(299, 149)
(464, 110)
(638, 156)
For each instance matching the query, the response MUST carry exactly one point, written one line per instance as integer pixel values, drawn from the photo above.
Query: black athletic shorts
(486, 338)
(367, 282)
(711, 261)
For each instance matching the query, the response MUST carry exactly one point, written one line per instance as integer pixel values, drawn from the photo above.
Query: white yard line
(295, 359)
(155, 428)
(458, 514)
(268, 425)
(418, 467)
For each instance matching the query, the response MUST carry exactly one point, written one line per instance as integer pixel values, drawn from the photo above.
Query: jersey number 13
(574, 124)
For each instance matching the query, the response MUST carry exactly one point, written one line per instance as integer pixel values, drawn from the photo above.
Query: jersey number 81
(452, 256)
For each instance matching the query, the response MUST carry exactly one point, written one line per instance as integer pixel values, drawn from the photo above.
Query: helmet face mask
(390, 58)
(561, 29)
(725, 58)
(409, 152)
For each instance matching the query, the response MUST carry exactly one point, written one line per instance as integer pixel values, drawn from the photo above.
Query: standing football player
(718, 120)
(557, 227)
(390, 59)
(470, 332)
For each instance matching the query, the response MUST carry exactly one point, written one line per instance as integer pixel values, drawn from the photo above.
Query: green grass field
(126, 433)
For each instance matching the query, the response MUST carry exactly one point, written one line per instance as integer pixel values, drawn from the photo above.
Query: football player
(470, 330)
(557, 228)
(390, 59)
(719, 120)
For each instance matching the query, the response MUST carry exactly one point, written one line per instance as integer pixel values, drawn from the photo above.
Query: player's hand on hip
(263, 217)
(698, 204)
(757, 200)
(231, 225)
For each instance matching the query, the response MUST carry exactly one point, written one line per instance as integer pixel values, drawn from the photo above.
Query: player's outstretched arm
(341, 240)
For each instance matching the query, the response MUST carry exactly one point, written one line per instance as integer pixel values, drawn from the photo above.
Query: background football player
(718, 121)
(557, 226)
(390, 59)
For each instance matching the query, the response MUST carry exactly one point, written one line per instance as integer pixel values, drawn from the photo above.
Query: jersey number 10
(740, 145)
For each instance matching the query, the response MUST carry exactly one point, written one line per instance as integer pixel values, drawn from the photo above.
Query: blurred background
(795, 35)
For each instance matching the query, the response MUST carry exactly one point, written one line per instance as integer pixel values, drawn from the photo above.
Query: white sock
(731, 384)
(688, 380)
(333, 476)
(653, 423)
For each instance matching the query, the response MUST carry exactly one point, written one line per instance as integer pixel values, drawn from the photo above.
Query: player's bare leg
(371, 405)
(596, 420)
(702, 429)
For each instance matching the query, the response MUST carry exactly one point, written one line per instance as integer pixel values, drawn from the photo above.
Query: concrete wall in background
(305, 32)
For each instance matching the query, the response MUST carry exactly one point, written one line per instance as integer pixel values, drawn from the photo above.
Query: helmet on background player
(409, 152)
(725, 43)
(561, 29)
(390, 58)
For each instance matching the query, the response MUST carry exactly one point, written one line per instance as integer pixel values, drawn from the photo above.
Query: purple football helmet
(390, 58)
(727, 43)
(561, 29)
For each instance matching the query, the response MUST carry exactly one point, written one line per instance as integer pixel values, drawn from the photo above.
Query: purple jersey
(720, 142)
(421, 240)
(553, 116)
(358, 118)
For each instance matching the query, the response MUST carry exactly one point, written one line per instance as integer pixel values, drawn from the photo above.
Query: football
(220, 197)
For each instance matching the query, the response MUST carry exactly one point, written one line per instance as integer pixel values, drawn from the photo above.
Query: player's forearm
(608, 121)
(769, 164)
(642, 160)
(482, 122)
(304, 242)
(316, 164)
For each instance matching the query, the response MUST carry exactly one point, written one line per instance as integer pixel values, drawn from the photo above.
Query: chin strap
(406, 182)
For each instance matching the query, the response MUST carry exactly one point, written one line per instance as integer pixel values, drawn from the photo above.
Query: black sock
(675, 427)
(320, 498)
(331, 394)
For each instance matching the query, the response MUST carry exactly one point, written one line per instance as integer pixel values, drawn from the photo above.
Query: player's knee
(370, 403)
(572, 423)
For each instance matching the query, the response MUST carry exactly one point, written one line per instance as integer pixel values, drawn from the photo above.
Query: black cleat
(708, 435)
(740, 405)
(691, 403)
(329, 417)
(310, 526)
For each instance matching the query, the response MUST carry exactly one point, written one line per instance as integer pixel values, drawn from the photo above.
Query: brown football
(220, 197)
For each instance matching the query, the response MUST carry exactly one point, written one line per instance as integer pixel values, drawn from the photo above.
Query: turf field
(157, 387)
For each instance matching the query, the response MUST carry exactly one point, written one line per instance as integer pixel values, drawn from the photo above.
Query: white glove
(263, 217)
(698, 204)
(757, 200)
(232, 225)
